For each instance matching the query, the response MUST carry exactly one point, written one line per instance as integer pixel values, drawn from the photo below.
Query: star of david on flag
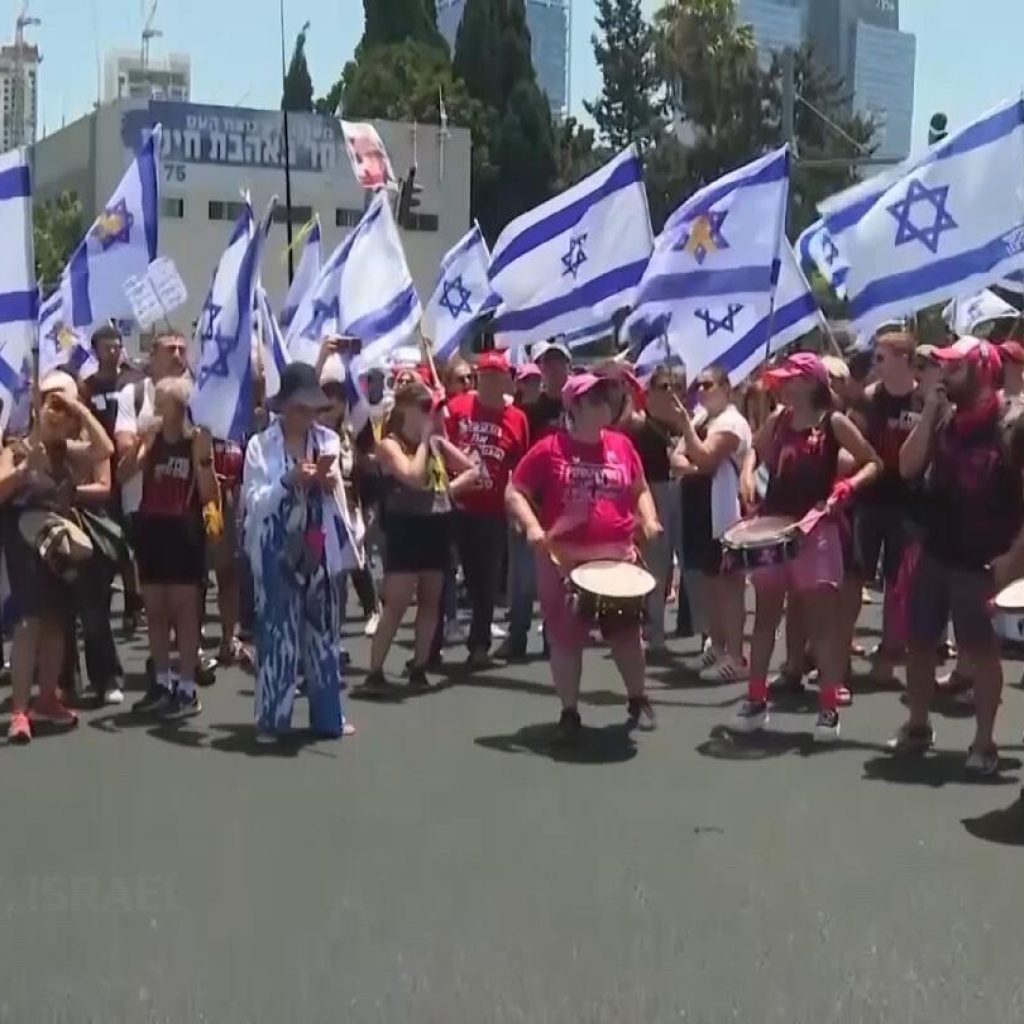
(936, 220)
(575, 257)
(222, 399)
(120, 244)
(459, 296)
(713, 302)
(818, 249)
(951, 223)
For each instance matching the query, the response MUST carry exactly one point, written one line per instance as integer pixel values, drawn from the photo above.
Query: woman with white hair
(178, 480)
(43, 476)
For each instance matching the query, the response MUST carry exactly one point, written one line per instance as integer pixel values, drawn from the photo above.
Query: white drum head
(759, 531)
(1011, 598)
(613, 579)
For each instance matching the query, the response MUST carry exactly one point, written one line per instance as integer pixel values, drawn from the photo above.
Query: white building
(211, 153)
(126, 75)
(19, 89)
(883, 85)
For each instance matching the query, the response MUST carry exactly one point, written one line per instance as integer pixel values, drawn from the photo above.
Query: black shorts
(938, 593)
(169, 550)
(414, 544)
(879, 532)
(36, 590)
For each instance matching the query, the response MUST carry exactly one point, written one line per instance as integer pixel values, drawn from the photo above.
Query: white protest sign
(157, 294)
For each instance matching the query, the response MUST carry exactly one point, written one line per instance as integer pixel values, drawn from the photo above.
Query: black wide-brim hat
(299, 386)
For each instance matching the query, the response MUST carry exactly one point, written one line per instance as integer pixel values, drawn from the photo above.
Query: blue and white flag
(964, 316)
(275, 354)
(61, 346)
(795, 313)
(462, 288)
(575, 260)
(715, 266)
(120, 244)
(951, 225)
(19, 296)
(817, 248)
(305, 274)
(364, 290)
(222, 399)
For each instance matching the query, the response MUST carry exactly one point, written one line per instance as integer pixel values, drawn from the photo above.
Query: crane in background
(149, 33)
(25, 20)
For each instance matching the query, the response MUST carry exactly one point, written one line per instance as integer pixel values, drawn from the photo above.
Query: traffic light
(938, 128)
(409, 198)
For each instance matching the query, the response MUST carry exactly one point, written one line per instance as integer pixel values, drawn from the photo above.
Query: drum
(760, 543)
(609, 594)
(1009, 612)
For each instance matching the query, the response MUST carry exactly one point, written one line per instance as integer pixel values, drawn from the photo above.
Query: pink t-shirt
(585, 493)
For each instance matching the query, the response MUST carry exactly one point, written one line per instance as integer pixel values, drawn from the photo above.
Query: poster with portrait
(369, 158)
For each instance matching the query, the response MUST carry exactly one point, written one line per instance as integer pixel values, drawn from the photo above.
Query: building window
(300, 214)
(219, 210)
(421, 222)
(346, 218)
(172, 208)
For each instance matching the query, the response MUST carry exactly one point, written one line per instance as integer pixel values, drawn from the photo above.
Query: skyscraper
(19, 105)
(548, 22)
(127, 75)
(776, 24)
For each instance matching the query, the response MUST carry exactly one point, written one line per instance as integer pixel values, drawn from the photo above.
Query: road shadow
(936, 769)
(1004, 826)
(610, 744)
(723, 744)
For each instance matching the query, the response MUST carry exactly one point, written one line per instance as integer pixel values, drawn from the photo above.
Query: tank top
(430, 500)
(168, 481)
(889, 419)
(803, 466)
(652, 441)
(54, 491)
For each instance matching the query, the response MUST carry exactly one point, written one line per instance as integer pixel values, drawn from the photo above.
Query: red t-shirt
(586, 493)
(499, 437)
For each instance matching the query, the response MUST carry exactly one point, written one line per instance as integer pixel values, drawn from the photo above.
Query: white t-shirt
(725, 487)
(128, 423)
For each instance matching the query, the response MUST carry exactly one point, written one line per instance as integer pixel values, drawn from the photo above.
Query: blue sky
(968, 55)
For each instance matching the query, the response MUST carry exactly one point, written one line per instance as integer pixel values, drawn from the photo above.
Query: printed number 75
(174, 172)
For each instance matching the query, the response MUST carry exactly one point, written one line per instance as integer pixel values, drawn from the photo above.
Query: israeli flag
(575, 260)
(121, 244)
(964, 316)
(61, 346)
(19, 296)
(715, 267)
(305, 274)
(364, 290)
(817, 248)
(222, 398)
(275, 353)
(462, 289)
(951, 225)
(795, 313)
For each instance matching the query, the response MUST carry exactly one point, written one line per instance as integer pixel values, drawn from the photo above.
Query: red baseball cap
(981, 353)
(577, 386)
(528, 370)
(800, 364)
(494, 361)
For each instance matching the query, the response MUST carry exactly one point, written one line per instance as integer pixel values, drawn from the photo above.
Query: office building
(776, 25)
(128, 74)
(19, 103)
(209, 153)
(548, 22)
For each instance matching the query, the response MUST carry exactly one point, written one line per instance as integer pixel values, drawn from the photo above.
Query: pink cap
(528, 370)
(800, 364)
(493, 360)
(576, 387)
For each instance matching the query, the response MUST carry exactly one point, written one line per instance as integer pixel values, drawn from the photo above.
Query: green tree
(57, 230)
(575, 153)
(298, 86)
(479, 34)
(392, 21)
(627, 109)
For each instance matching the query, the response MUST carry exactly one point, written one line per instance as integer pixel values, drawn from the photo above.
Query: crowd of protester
(479, 481)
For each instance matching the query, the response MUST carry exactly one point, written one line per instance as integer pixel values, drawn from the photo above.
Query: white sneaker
(113, 695)
(826, 728)
(726, 670)
(751, 716)
(498, 632)
(371, 624)
(710, 656)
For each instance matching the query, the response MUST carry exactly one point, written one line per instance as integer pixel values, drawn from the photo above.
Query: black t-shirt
(544, 417)
(652, 440)
(888, 420)
(973, 505)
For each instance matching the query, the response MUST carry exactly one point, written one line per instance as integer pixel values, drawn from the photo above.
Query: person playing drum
(800, 444)
(580, 495)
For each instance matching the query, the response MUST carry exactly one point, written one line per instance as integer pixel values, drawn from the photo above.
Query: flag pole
(287, 155)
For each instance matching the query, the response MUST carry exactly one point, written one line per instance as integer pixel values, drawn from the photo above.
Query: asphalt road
(449, 865)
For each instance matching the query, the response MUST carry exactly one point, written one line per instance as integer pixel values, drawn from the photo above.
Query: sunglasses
(464, 378)
(668, 386)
